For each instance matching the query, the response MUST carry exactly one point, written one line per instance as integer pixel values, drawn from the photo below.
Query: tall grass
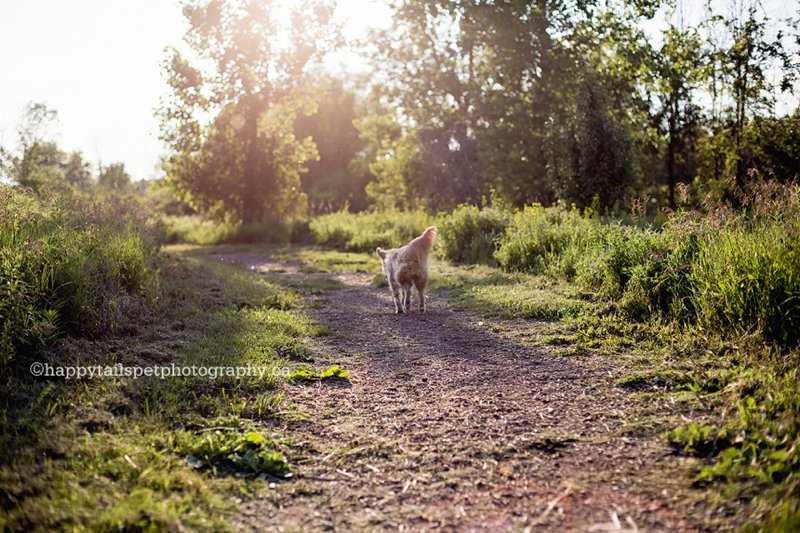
(193, 229)
(732, 271)
(549, 240)
(69, 263)
(470, 234)
(363, 232)
(747, 279)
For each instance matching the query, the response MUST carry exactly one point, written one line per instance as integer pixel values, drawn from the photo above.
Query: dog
(407, 266)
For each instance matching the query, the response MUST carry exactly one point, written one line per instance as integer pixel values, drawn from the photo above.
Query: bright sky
(97, 62)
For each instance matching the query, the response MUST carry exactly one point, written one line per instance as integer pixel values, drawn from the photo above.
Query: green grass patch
(365, 231)
(71, 264)
(226, 451)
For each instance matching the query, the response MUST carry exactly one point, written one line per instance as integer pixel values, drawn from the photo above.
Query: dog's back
(408, 265)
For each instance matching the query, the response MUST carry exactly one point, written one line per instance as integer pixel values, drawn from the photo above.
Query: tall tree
(39, 161)
(741, 67)
(336, 179)
(77, 170)
(479, 85)
(680, 69)
(115, 178)
(249, 78)
(589, 149)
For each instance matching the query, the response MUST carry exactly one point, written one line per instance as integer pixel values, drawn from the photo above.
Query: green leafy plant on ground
(470, 234)
(231, 452)
(305, 373)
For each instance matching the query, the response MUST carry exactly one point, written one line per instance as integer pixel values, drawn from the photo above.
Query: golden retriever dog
(408, 266)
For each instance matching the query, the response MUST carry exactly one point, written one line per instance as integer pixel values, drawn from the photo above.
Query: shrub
(194, 229)
(548, 240)
(643, 268)
(747, 278)
(471, 234)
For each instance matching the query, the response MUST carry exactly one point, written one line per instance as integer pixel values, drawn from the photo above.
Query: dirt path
(449, 424)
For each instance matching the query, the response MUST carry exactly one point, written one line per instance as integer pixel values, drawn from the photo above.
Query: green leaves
(229, 124)
(304, 373)
(226, 451)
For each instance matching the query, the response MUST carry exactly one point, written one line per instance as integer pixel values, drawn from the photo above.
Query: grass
(70, 264)
(363, 232)
(702, 312)
(194, 229)
(497, 293)
(152, 454)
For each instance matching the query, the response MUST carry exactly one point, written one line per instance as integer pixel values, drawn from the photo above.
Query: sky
(97, 62)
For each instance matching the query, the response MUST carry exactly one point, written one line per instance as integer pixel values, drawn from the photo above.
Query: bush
(731, 271)
(549, 240)
(193, 229)
(363, 232)
(644, 269)
(70, 264)
(471, 235)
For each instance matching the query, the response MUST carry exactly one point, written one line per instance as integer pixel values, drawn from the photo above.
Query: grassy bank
(149, 453)
(71, 263)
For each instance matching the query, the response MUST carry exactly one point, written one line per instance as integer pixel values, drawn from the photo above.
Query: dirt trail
(447, 424)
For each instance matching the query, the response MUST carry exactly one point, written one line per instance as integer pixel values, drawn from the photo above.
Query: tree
(338, 178)
(589, 150)
(429, 59)
(114, 178)
(40, 160)
(742, 66)
(680, 68)
(77, 170)
(772, 145)
(250, 80)
(477, 86)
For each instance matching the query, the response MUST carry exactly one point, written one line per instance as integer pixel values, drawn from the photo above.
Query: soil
(452, 421)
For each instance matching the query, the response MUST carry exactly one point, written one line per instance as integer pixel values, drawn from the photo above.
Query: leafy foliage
(246, 159)
(470, 234)
(305, 373)
(229, 452)
(363, 232)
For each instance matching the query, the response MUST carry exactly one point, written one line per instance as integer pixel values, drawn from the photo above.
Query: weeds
(470, 234)
(230, 452)
(70, 264)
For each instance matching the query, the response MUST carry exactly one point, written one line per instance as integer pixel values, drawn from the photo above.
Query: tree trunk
(671, 154)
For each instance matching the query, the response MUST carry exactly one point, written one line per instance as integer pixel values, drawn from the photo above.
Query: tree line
(521, 100)
(38, 161)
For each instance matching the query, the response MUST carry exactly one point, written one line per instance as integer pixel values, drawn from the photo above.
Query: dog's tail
(381, 252)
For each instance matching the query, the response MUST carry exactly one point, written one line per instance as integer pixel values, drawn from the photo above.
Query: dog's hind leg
(397, 295)
(407, 298)
(420, 284)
